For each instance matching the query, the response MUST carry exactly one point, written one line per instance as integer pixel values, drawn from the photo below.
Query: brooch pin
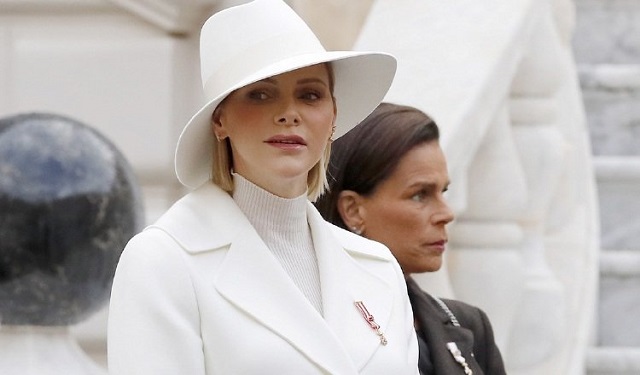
(372, 323)
(457, 355)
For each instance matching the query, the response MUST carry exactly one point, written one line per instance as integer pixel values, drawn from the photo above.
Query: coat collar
(438, 331)
(251, 278)
(349, 271)
(205, 219)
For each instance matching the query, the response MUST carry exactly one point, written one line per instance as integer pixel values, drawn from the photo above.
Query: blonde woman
(242, 275)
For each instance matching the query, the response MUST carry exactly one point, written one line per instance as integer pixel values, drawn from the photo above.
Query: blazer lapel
(345, 281)
(438, 331)
(252, 279)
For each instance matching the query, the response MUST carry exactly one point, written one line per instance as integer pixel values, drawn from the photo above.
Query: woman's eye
(418, 197)
(310, 95)
(258, 95)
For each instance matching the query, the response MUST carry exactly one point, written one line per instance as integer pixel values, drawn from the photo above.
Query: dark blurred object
(69, 203)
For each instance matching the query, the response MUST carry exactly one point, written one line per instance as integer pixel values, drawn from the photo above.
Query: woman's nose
(445, 214)
(288, 115)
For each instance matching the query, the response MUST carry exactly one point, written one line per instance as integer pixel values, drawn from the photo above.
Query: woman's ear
(333, 122)
(335, 108)
(351, 210)
(216, 125)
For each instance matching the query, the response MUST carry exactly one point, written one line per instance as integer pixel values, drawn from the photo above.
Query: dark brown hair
(370, 152)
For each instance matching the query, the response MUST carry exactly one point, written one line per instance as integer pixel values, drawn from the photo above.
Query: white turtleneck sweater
(282, 225)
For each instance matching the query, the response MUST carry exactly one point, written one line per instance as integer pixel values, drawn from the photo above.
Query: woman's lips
(286, 142)
(438, 245)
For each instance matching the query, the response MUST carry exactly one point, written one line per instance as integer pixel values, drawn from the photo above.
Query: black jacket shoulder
(474, 337)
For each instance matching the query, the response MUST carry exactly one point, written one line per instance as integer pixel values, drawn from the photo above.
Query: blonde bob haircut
(222, 163)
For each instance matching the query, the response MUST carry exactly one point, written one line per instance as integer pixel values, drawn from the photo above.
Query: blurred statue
(68, 205)
(499, 78)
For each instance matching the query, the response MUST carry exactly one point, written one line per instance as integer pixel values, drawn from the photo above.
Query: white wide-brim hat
(250, 42)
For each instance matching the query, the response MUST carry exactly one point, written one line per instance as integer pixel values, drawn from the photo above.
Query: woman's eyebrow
(425, 184)
(312, 80)
(269, 80)
(429, 185)
(274, 81)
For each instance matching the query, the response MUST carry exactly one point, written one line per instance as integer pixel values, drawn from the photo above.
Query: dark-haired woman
(387, 179)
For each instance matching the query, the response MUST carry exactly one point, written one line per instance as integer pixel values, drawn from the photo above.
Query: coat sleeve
(494, 364)
(153, 326)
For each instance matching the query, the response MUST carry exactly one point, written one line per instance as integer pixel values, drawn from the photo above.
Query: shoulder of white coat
(359, 246)
(151, 245)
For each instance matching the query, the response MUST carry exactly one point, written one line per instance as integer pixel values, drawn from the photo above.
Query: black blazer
(474, 337)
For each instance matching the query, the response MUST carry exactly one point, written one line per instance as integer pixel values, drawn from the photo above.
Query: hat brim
(362, 79)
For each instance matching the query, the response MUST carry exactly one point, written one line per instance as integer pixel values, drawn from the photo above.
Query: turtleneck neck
(282, 224)
(269, 212)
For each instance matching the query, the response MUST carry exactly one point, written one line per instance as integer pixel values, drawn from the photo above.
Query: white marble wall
(607, 49)
(619, 195)
(619, 302)
(619, 308)
(607, 31)
(611, 95)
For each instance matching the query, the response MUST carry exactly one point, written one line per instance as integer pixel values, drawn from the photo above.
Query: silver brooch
(457, 355)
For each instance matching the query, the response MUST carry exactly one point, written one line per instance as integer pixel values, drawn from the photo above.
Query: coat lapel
(252, 279)
(345, 281)
(438, 331)
(196, 222)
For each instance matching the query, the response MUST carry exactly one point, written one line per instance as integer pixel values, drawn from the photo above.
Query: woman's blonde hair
(222, 164)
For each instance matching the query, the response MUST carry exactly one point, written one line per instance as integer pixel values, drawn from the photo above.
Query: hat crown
(238, 42)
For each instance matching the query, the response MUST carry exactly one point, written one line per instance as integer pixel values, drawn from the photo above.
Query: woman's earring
(356, 230)
(333, 131)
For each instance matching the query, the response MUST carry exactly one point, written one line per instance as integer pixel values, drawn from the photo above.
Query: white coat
(199, 293)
